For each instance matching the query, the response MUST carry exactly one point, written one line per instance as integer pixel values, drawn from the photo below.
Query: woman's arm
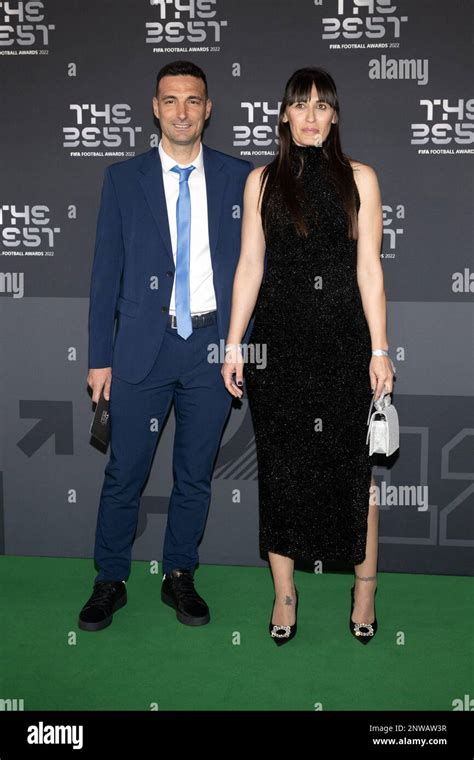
(370, 273)
(247, 279)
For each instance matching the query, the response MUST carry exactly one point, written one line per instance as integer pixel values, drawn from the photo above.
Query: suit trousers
(181, 374)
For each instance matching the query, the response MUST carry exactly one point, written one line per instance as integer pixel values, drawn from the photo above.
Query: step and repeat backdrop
(77, 79)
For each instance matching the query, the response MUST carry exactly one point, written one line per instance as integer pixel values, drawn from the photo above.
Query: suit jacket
(133, 268)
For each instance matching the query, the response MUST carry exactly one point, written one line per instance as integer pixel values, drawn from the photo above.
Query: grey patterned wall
(77, 80)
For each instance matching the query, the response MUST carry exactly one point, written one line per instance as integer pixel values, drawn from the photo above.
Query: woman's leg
(285, 595)
(366, 572)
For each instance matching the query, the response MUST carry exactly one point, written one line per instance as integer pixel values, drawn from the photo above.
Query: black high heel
(363, 632)
(283, 633)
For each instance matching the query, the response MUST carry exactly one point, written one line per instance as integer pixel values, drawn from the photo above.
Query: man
(167, 245)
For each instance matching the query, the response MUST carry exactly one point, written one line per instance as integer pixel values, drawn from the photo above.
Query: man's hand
(98, 379)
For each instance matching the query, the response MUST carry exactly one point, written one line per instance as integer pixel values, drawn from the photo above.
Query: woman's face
(310, 120)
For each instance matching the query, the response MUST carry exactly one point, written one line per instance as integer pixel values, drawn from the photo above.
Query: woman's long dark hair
(279, 175)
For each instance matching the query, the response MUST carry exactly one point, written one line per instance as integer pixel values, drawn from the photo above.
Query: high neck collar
(308, 154)
(307, 150)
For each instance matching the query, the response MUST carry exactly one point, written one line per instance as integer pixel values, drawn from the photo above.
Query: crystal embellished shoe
(283, 633)
(363, 632)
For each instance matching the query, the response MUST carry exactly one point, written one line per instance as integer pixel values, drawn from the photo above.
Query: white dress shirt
(201, 286)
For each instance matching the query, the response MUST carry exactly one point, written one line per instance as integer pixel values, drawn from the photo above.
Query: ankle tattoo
(288, 600)
(366, 578)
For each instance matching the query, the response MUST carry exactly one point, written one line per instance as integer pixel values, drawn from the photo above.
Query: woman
(320, 315)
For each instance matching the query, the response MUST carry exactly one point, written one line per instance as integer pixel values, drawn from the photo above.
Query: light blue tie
(183, 228)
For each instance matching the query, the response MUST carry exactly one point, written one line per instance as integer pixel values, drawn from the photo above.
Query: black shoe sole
(185, 619)
(106, 621)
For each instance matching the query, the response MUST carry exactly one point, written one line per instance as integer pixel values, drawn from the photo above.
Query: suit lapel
(151, 180)
(216, 180)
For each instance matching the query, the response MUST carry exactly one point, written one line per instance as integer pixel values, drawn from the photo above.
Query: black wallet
(100, 425)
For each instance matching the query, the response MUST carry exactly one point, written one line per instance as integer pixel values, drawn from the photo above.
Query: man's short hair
(181, 68)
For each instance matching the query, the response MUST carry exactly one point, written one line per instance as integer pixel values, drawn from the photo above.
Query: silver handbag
(383, 435)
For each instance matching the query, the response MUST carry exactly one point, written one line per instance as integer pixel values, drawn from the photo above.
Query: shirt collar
(168, 161)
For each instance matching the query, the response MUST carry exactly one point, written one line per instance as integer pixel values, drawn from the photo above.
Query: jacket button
(164, 308)
(169, 274)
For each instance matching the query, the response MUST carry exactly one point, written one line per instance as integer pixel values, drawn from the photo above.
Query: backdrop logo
(393, 229)
(27, 231)
(365, 20)
(107, 126)
(190, 23)
(444, 126)
(260, 131)
(23, 24)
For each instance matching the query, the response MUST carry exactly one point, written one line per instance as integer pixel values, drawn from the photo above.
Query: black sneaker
(107, 598)
(177, 591)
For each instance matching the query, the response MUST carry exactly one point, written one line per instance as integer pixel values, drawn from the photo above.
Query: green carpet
(147, 658)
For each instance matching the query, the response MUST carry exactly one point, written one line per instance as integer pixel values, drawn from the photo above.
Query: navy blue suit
(152, 366)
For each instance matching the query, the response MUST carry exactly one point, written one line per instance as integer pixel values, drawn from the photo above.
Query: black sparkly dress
(310, 403)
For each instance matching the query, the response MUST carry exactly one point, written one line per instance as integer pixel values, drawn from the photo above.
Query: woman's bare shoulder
(255, 175)
(363, 172)
(367, 183)
(365, 177)
(253, 184)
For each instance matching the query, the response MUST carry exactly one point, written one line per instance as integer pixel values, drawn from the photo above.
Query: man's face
(182, 109)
